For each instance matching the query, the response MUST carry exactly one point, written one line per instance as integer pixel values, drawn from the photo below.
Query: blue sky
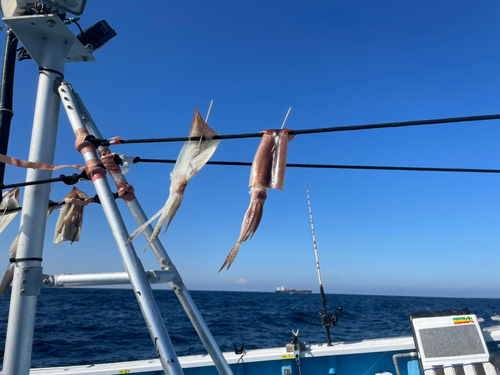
(335, 63)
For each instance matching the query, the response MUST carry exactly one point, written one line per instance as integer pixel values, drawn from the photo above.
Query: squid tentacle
(268, 172)
(193, 156)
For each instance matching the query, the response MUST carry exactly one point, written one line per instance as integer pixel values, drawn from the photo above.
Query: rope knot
(125, 191)
(95, 169)
(110, 161)
(82, 143)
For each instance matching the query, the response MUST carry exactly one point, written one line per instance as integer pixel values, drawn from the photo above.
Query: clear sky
(335, 63)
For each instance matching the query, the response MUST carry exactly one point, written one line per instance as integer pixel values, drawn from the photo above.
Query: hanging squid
(268, 172)
(193, 156)
(69, 223)
(10, 199)
(9, 274)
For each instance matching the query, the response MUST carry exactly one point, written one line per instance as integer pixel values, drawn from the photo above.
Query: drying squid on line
(69, 223)
(193, 156)
(10, 199)
(9, 274)
(268, 172)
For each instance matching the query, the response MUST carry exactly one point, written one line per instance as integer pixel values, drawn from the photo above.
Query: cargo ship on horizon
(282, 289)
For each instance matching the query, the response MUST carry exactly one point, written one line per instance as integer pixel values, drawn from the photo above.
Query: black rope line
(399, 124)
(29, 183)
(383, 168)
(338, 166)
(15, 260)
(15, 209)
(104, 142)
(54, 204)
(98, 201)
(74, 178)
(68, 180)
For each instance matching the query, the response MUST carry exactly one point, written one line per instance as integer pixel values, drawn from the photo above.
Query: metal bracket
(57, 82)
(31, 280)
(34, 31)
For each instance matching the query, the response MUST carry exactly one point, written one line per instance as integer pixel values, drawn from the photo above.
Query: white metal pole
(144, 294)
(65, 280)
(161, 255)
(26, 287)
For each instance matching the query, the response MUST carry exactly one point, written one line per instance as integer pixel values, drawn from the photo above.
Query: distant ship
(292, 291)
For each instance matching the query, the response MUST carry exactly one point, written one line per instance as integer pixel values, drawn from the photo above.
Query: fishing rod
(326, 320)
(6, 95)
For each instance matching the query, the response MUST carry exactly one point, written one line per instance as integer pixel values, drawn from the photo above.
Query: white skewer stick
(206, 121)
(289, 109)
(209, 108)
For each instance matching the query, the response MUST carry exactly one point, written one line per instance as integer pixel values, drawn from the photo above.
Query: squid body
(268, 172)
(193, 156)
(69, 223)
(10, 199)
(9, 274)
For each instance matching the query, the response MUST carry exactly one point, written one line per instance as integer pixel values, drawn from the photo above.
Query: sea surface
(88, 326)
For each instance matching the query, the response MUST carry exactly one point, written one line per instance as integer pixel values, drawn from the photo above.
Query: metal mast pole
(28, 270)
(322, 292)
(50, 44)
(133, 266)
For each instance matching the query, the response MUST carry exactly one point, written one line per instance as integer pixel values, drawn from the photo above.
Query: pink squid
(268, 172)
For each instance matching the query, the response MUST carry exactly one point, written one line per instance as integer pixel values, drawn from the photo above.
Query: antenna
(326, 320)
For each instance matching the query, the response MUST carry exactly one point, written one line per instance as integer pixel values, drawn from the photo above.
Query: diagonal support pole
(133, 266)
(161, 255)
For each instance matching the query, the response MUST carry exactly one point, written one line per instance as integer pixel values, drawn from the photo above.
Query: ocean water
(86, 326)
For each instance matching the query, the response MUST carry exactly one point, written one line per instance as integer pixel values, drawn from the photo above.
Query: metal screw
(51, 23)
(22, 291)
(46, 281)
(26, 270)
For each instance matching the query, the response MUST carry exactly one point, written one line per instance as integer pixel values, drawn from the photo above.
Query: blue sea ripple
(89, 326)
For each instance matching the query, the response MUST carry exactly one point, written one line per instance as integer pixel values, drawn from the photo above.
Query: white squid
(9, 274)
(193, 156)
(70, 221)
(10, 199)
